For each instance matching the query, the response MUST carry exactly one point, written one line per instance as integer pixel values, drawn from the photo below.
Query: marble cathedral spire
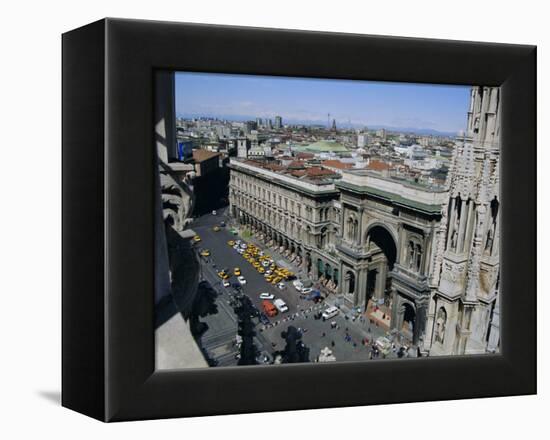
(465, 267)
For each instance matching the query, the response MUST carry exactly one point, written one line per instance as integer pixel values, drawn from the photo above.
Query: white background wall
(30, 231)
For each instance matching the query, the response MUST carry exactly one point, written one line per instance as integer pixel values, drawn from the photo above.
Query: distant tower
(278, 122)
(333, 128)
(243, 147)
(463, 312)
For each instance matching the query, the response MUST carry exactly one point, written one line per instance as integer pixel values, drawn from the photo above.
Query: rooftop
(333, 163)
(202, 155)
(314, 179)
(425, 198)
(324, 146)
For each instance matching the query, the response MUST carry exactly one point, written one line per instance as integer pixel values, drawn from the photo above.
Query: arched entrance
(409, 321)
(328, 271)
(308, 262)
(382, 249)
(320, 268)
(349, 283)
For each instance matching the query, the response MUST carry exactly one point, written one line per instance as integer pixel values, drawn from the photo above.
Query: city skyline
(400, 106)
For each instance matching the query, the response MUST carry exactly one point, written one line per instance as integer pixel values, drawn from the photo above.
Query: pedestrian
(332, 343)
(323, 335)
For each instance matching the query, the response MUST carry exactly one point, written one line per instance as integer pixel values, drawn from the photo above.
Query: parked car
(222, 224)
(226, 283)
(263, 319)
(298, 285)
(264, 358)
(384, 345)
(254, 312)
(266, 295)
(269, 308)
(281, 286)
(216, 229)
(242, 280)
(214, 212)
(306, 290)
(330, 312)
(281, 305)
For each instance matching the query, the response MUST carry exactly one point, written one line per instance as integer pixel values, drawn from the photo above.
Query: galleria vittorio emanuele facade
(424, 257)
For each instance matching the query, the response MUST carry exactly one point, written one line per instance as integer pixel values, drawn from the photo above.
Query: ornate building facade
(426, 254)
(463, 317)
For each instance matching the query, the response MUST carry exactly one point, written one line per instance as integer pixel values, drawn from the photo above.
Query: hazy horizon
(352, 103)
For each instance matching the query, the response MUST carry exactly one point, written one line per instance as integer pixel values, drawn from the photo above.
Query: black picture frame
(108, 223)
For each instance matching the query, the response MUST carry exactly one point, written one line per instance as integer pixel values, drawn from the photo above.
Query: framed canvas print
(318, 220)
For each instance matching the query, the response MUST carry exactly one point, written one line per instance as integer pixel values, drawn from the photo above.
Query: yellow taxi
(216, 229)
(237, 271)
(231, 243)
(261, 269)
(205, 253)
(196, 238)
(223, 275)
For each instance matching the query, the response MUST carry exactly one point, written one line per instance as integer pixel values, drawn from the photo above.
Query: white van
(281, 305)
(298, 285)
(330, 312)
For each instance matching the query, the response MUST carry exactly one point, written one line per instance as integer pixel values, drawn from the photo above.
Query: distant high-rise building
(268, 124)
(278, 122)
(333, 128)
(362, 140)
(258, 122)
(381, 134)
(249, 126)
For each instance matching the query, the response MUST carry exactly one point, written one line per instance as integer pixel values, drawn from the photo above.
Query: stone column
(165, 117)
(430, 319)
(381, 280)
(450, 230)
(360, 226)
(462, 225)
(398, 314)
(494, 328)
(419, 322)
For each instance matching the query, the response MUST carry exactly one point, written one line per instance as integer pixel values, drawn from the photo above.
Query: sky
(308, 100)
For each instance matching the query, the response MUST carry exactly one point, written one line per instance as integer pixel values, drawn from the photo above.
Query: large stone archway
(382, 253)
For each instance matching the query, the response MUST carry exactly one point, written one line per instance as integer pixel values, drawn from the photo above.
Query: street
(344, 336)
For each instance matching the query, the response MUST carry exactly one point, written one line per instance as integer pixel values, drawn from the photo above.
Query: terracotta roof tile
(337, 164)
(378, 165)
